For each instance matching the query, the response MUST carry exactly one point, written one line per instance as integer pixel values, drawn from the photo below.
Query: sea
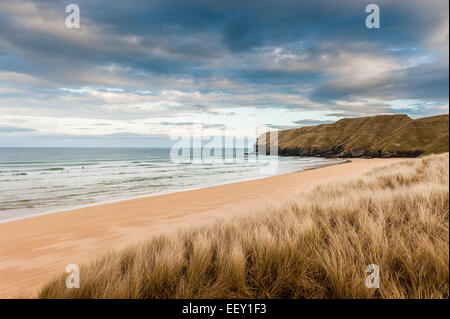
(35, 181)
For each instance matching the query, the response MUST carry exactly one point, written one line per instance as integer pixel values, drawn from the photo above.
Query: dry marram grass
(315, 246)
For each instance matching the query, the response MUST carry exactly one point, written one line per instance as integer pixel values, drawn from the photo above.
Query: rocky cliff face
(378, 136)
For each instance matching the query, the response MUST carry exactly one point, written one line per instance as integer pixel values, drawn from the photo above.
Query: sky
(137, 73)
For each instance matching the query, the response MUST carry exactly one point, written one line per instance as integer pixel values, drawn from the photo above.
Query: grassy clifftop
(377, 136)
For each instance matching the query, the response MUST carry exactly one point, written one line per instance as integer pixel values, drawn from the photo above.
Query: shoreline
(35, 249)
(118, 200)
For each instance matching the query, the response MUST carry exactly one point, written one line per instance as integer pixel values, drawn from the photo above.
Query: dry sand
(33, 250)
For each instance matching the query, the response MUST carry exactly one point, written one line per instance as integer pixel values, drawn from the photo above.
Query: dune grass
(314, 246)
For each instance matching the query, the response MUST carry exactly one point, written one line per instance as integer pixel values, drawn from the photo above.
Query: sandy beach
(35, 249)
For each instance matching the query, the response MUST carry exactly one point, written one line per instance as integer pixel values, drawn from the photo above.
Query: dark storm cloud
(242, 25)
(190, 30)
(316, 49)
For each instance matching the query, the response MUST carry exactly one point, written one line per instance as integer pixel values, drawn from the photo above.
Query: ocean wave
(60, 182)
(135, 180)
(20, 163)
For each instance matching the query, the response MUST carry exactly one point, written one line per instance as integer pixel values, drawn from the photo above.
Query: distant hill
(377, 136)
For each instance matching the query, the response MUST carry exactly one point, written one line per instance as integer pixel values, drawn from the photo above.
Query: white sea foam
(36, 181)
